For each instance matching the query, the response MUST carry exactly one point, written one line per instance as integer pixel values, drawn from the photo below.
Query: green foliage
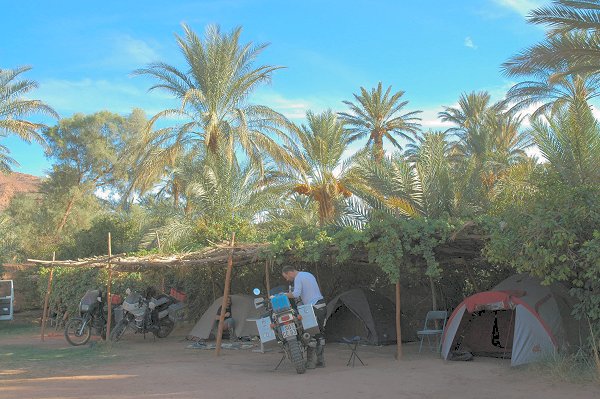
(400, 246)
(70, 284)
(397, 245)
(126, 234)
(299, 244)
(554, 236)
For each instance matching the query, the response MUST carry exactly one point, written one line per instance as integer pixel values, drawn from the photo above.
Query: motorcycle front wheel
(296, 356)
(77, 332)
(165, 326)
(117, 332)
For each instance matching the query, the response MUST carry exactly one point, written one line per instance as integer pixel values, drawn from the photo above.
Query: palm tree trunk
(175, 195)
(378, 148)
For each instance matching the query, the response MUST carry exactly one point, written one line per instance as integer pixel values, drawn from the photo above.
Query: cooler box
(280, 302)
(309, 320)
(267, 335)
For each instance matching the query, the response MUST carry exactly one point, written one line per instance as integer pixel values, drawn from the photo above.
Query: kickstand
(280, 361)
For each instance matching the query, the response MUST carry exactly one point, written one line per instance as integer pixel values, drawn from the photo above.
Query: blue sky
(82, 53)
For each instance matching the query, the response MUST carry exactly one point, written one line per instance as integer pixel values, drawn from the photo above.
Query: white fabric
(531, 342)
(450, 331)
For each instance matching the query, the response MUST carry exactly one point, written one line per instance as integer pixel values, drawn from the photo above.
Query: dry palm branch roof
(243, 254)
(464, 243)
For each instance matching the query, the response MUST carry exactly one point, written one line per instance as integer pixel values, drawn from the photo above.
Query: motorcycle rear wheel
(165, 326)
(296, 356)
(75, 334)
(117, 332)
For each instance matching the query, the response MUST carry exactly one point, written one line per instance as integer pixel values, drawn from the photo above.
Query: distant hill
(15, 183)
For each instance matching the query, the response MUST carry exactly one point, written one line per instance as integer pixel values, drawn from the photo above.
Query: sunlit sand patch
(11, 372)
(73, 378)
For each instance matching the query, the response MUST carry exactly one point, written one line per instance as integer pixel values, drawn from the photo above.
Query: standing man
(307, 290)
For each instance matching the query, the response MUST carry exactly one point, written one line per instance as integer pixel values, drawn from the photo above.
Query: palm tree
(570, 140)
(552, 90)
(215, 189)
(572, 44)
(214, 93)
(417, 184)
(377, 115)
(489, 140)
(14, 107)
(318, 169)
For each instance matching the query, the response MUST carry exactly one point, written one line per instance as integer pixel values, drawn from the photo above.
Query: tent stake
(225, 296)
(398, 327)
(47, 298)
(108, 295)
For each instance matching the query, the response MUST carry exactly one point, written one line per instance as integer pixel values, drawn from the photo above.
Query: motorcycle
(291, 327)
(78, 330)
(144, 315)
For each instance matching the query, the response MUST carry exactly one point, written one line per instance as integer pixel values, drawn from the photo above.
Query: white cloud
(295, 108)
(291, 108)
(129, 53)
(522, 7)
(430, 120)
(469, 43)
(89, 95)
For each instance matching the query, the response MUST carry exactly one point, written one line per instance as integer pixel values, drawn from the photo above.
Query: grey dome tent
(242, 308)
(518, 319)
(361, 312)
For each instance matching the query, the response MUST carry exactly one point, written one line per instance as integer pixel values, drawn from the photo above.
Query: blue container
(280, 302)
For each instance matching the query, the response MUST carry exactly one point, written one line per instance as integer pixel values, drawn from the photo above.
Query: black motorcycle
(78, 330)
(147, 315)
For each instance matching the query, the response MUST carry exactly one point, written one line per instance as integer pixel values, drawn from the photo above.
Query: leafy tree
(378, 116)
(214, 93)
(14, 108)
(554, 235)
(91, 151)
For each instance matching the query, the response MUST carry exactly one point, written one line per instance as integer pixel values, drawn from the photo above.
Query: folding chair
(353, 344)
(431, 329)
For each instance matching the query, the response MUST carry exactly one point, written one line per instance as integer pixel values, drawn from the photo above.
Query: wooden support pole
(108, 294)
(398, 326)
(225, 296)
(268, 277)
(47, 297)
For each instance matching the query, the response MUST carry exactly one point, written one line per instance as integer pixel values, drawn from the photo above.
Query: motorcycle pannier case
(267, 335)
(309, 320)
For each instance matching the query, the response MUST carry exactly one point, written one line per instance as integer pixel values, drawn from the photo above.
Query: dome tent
(242, 309)
(361, 312)
(518, 319)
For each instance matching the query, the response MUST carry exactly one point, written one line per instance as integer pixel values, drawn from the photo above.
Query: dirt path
(167, 369)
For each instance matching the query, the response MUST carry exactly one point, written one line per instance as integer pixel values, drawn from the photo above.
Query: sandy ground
(168, 369)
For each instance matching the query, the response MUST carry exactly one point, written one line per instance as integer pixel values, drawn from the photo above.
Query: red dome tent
(519, 318)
